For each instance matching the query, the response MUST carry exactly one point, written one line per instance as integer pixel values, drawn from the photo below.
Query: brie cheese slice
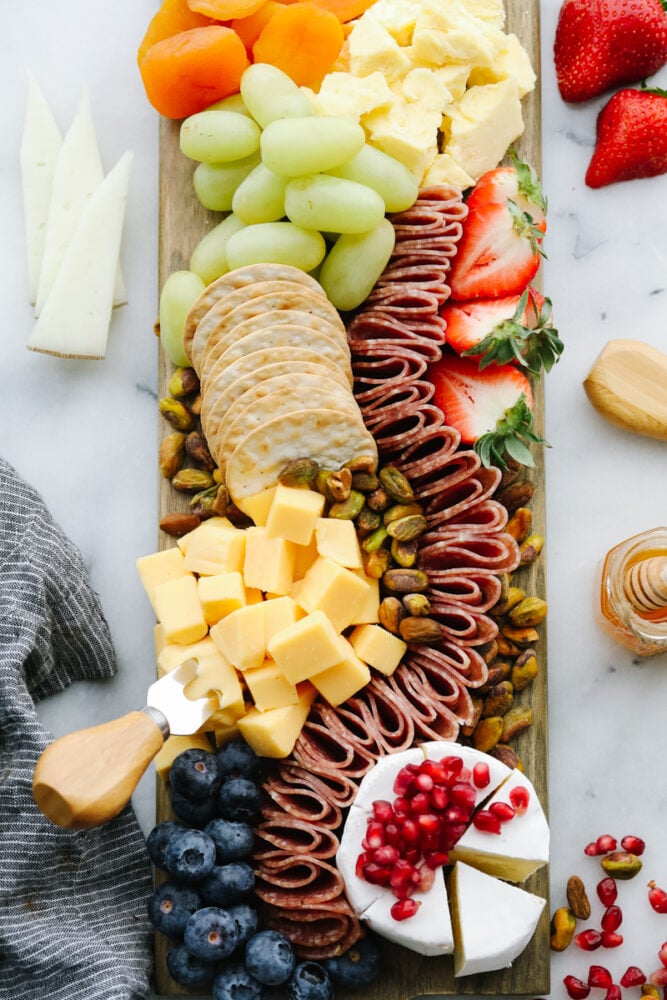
(428, 932)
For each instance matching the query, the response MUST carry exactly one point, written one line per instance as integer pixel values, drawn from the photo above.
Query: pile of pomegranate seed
(408, 839)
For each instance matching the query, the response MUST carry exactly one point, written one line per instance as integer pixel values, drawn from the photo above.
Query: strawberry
(498, 253)
(601, 44)
(631, 139)
(517, 182)
(514, 329)
(492, 409)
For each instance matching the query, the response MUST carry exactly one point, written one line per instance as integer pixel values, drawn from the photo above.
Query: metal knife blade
(166, 697)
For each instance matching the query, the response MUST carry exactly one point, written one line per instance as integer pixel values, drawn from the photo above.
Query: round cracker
(329, 436)
(274, 398)
(240, 277)
(256, 298)
(261, 321)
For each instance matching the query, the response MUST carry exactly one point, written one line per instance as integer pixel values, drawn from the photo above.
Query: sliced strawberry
(518, 183)
(631, 140)
(498, 253)
(491, 409)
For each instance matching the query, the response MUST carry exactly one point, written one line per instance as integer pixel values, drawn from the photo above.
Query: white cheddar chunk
(179, 610)
(294, 513)
(337, 538)
(240, 636)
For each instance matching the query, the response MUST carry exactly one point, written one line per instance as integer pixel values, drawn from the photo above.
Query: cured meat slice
(318, 931)
(278, 837)
(298, 878)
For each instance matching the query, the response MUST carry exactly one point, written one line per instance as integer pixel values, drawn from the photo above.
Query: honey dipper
(645, 585)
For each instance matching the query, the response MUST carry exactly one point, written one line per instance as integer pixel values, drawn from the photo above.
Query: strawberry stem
(513, 434)
(529, 184)
(534, 347)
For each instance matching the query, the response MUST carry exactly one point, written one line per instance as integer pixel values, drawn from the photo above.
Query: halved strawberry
(518, 183)
(492, 409)
(513, 329)
(498, 253)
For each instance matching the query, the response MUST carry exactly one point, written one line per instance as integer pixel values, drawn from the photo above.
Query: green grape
(333, 204)
(232, 103)
(215, 183)
(218, 136)
(209, 257)
(275, 243)
(179, 292)
(298, 146)
(260, 197)
(389, 177)
(354, 264)
(268, 93)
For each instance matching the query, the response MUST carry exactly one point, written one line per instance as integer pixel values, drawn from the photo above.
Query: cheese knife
(85, 778)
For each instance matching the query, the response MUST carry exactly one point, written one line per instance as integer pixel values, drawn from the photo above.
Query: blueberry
(158, 838)
(196, 774)
(236, 983)
(269, 957)
(190, 855)
(227, 884)
(187, 969)
(211, 934)
(194, 813)
(359, 966)
(238, 760)
(246, 918)
(239, 800)
(170, 907)
(233, 841)
(309, 981)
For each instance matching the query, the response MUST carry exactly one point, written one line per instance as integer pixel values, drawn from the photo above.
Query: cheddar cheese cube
(333, 589)
(218, 548)
(305, 556)
(173, 654)
(220, 594)
(345, 678)
(173, 746)
(269, 687)
(269, 561)
(337, 539)
(274, 733)
(305, 648)
(217, 677)
(223, 729)
(159, 567)
(258, 505)
(369, 609)
(278, 614)
(293, 514)
(253, 595)
(159, 639)
(210, 524)
(240, 636)
(179, 611)
(378, 647)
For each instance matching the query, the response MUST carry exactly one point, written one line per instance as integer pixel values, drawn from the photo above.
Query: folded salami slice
(297, 879)
(319, 931)
(277, 838)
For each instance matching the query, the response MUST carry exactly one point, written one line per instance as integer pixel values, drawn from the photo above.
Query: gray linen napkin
(73, 923)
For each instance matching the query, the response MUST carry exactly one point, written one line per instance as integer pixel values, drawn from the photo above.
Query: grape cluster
(205, 904)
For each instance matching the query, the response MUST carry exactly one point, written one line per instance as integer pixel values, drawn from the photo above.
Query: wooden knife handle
(86, 778)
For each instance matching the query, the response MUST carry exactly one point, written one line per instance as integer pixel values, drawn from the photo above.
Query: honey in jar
(633, 593)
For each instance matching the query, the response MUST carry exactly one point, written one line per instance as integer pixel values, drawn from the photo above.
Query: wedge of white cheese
(77, 313)
(428, 932)
(493, 921)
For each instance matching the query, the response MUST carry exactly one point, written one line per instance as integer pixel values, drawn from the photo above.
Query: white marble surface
(84, 434)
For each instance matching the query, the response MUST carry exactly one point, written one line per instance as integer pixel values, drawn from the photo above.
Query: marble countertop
(84, 433)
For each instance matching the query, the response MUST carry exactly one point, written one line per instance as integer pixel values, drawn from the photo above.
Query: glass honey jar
(633, 593)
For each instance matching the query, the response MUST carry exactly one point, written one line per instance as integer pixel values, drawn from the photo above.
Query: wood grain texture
(182, 224)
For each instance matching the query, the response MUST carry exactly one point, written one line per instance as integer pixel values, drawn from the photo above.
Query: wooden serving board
(183, 222)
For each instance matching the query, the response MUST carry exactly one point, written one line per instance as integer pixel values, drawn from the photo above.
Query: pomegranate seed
(456, 814)
(451, 835)
(662, 954)
(591, 849)
(599, 977)
(486, 822)
(633, 976)
(575, 988)
(426, 878)
(376, 874)
(465, 774)
(657, 898)
(633, 844)
(382, 811)
(588, 940)
(420, 803)
(435, 770)
(424, 782)
(610, 939)
(401, 875)
(410, 831)
(503, 810)
(462, 795)
(359, 867)
(612, 918)
(386, 855)
(374, 836)
(439, 798)
(412, 855)
(436, 859)
(520, 798)
(613, 992)
(404, 779)
(452, 767)
(392, 834)
(404, 908)
(607, 891)
(428, 825)
(481, 775)
(401, 806)
(606, 843)
(659, 977)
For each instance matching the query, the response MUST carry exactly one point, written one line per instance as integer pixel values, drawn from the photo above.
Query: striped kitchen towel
(73, 922)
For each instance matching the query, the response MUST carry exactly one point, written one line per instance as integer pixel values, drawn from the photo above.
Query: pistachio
(237, 517)
(192, 480)
(487, 733)
(621, 864)
(213, 502)
(520, 524)
(348, 509)
(171, 454)
(417, 605)
(376, 563)
(530, 549)
(183, 382)
(197, 451)
(339, 485)
(506, 648)
(649, 990)
(300, 472)
(321, 479)
(515, 495)
(563, 926)
(179, 524)
(177, 413)
(468, 728)
(488, 651)
(196, 404)
(577, 899)
(521, 636)
(524, 670)
(366, 482)
(499, 699)
(218, 476)
(390, 614)
(500, 606)
(404, 553)
(513, 596)
(362, 463)
(507, 756)
(530, 611)
(405, 529)
(375, 540)
(400, 510)
(405, 581)
(423, 631)
(518, 718)
(378, 500)
(498, 671)
(395, 484)
(367, 521)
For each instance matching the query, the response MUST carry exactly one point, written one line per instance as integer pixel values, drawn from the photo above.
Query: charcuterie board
(183, 222)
